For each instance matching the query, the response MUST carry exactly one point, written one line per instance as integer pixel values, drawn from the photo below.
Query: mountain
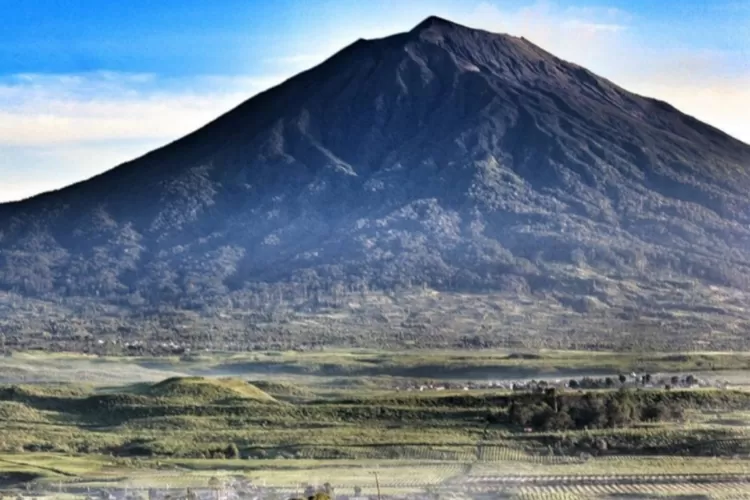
(445, 161)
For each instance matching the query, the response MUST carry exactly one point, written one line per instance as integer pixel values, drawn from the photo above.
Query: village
(632, 381)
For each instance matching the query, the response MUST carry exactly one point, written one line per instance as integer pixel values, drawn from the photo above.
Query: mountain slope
(444, 157)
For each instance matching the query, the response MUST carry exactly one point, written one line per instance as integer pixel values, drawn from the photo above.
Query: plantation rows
(504, 454)
(522, 490)
(493, 453)
(627, 478)
(388, 452)
(463, 454)
(457, 454)
(724, 447)
(727, 490)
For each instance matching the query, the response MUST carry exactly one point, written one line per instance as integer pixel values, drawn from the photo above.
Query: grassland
(286, 419)
(460, 364)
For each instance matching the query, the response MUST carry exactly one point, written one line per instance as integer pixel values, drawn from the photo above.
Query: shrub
(232, 451)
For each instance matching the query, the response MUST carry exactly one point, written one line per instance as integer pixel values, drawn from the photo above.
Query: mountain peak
(433, 22)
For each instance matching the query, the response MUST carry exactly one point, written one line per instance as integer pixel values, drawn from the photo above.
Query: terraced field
(518, 477)
(713, 491)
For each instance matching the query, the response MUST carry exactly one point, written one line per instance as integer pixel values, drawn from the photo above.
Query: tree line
(555, 411)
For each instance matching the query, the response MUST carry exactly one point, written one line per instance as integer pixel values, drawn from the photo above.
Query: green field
(287, 420)
(362, 364)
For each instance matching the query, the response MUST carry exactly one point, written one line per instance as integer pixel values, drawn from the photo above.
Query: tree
(559, 421)
(523, 414)
(675, 380)
(551, 396)
(620, 410)
(590, 412)
(543, 418)
(609, 382)
(573, 384)
(623, 378)
(232, 451)
(655, 412)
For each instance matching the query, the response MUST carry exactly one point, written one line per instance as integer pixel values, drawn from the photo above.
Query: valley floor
(418, 424)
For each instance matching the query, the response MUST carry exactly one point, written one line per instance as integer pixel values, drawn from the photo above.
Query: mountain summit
(436, 22)
(445, 158)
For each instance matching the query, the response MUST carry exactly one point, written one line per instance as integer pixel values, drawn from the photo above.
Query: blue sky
(87, 84)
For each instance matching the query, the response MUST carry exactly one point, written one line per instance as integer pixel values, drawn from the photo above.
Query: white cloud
(26, 170)
(581, 34)
(723, 105)
(60, 129)
(44, 109)
(713, 86)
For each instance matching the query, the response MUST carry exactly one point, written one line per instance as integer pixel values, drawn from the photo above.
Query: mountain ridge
(444, 157)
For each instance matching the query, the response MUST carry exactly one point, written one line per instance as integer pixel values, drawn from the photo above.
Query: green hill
(19, 412)
(206, 389)
(283, 389)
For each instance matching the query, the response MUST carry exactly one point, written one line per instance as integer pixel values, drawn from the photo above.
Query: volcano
(446, 159)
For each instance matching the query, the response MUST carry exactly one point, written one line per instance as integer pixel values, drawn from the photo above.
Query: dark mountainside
(444, 170)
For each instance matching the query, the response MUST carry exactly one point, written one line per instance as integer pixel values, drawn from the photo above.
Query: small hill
(282, 389)
(206, 389)
(19, 412)
(25, 391)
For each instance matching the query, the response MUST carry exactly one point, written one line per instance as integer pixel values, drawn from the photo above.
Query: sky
(88, 84)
